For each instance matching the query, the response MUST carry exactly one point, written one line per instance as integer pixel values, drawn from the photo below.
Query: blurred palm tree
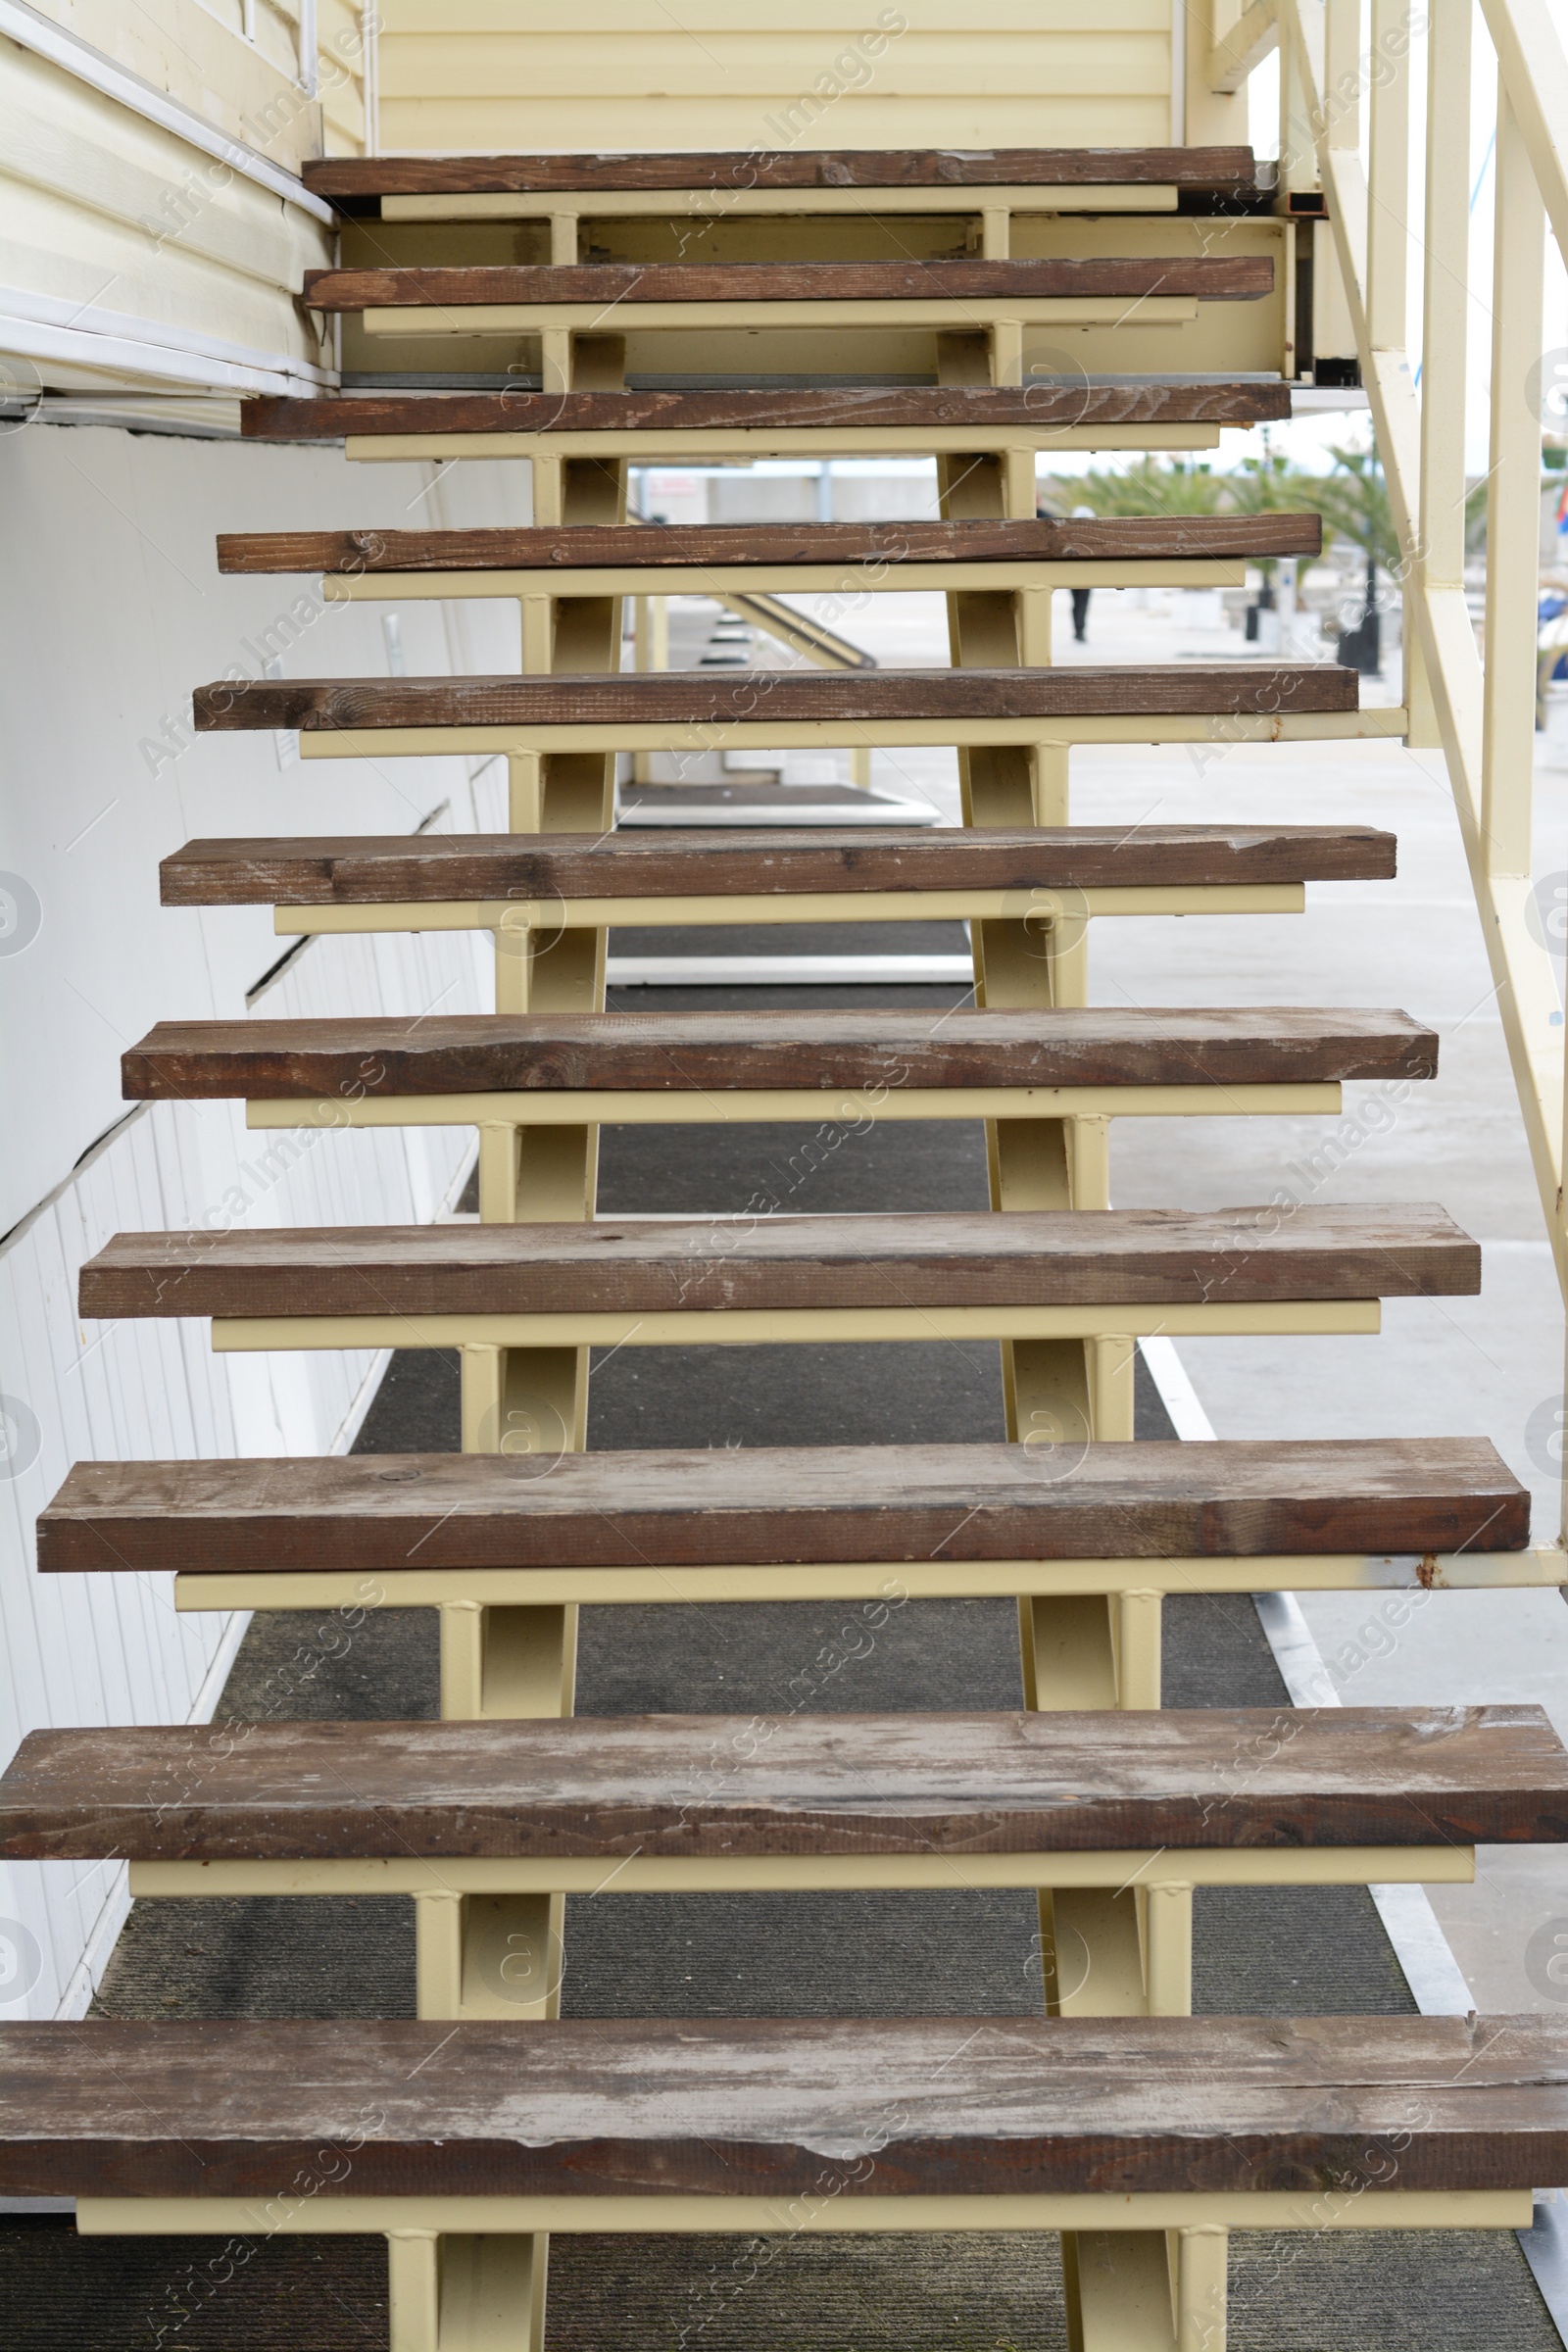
(1475, 519)
(1152, 486)
(1272, 485)
(1353, 502)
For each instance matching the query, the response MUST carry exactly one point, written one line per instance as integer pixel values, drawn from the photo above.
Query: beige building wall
(153, 228)
(486, 74)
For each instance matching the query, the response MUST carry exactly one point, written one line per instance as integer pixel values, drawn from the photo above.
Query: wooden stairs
(471, 2133)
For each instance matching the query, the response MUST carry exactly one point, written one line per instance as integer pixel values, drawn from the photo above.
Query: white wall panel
(113, 611)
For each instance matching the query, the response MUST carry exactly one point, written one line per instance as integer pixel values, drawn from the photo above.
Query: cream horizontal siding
(967, 63)
(484, 74)
(153, 233)
(196, 53)
(340, 44)
(118, 236)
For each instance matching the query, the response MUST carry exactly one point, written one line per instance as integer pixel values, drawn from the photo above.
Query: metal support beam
(449, 1880)
(1024, 737)
(1237, 54)
(829, 2217)
(501, 1118)
(1037, 909)
(751, 1327)
(1544, 1567)
(752, 585)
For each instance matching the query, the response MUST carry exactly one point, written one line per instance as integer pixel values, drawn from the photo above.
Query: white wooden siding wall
(129, 256)
(196, 51)
(115, 613)
(487, 74)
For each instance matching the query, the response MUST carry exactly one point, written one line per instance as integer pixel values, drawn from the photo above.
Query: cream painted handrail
(1483, 716)
(1478, 707)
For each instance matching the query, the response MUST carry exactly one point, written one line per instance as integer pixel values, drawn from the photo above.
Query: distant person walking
(1080, 596)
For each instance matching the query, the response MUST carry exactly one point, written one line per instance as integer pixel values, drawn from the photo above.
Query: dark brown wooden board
(376, 870)
(777, 697)
(435, 1054)
(1217, 278)
(1043, 405)
(1218, 168)
(866, 2107)
(710, 1786)
(956, 1257)
(1118, 539)
(787, 1506)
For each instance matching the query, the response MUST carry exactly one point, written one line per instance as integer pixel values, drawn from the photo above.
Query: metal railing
(1478, 705)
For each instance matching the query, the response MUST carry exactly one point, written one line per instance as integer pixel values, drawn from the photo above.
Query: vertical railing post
(1388, 309)
(1445, 296)
(1342, 73)
(1298, 166)
(1388, 223)
(310, 72)
(1513, 507)
(369, 75)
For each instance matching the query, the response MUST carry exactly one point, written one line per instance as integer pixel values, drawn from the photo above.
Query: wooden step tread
(630, 285)
(771, 1506)
(971, 1783)
(377, 870)
(1120, 538)
(1038, 407)
(1231, 168)
(893, 2107)
(952, 1258)
(498, 1052)
(776, 697)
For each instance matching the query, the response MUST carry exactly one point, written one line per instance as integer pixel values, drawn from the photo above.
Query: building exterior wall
(255, 87)
(113, 613)
(488, 74)
(153, 233)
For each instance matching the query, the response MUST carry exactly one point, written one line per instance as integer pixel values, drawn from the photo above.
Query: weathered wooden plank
(1230, 169)
(883, 546)
(780, 1506)
(769, 697)
(896, 2107)
(1216, 277)
(952, 1258)
(1041, 406)
(716, 1785)
(499, 1053)
(376, 869)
